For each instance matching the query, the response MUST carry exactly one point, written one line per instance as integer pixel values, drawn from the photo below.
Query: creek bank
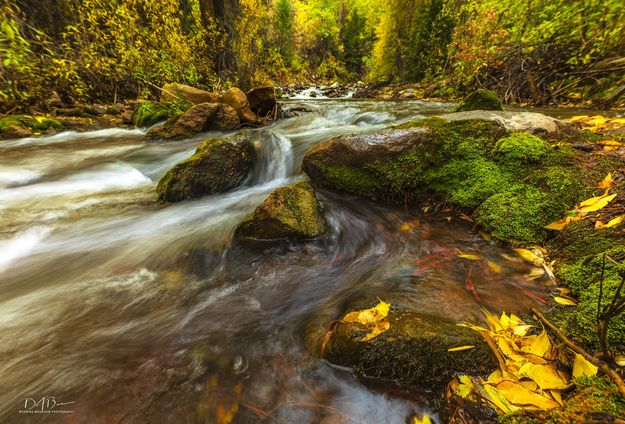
(288, 212)
(218, 165)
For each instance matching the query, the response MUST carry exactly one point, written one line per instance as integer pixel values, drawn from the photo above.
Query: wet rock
(19, 126)
(480, 100)
(414, 350)
(237, 99)
(218, 165)
(180, 92)
(531, 122)
(199, 118)
(262, 100)
(16, 131)
(288, 212)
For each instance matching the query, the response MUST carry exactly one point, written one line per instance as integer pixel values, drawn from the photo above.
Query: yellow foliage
(372, 318)
(583, 368)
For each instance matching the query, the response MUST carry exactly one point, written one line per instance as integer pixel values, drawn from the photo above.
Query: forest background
(532, 51)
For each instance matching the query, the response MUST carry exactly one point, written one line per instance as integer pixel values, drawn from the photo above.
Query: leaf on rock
(460, 348)
(530, 256)
(546, 376)
(600, 204)
(425, 419)
(494, 266)
(518, 394)
(369, 316)
(376, 329)
(613, 223)
(583, 368)
(564, 301)
(606, 182)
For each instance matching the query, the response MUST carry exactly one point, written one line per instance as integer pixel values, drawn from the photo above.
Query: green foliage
(150, 113)
(43, 124)
(522, 147)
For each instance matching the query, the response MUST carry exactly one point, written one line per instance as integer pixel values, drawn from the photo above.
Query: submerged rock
(199, 118)
(480, 100)
(414, 350)
(237, 100)
(180, 92)
(291, 211)
(262, 100)
(218, 165)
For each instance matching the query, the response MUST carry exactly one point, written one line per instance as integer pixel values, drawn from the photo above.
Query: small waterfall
(275, 158)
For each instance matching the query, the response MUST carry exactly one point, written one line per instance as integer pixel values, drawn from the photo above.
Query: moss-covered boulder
(513, 184)
(288, 212)
(18, 126)
(480, 99)
(414, 350)
(218, 165)
(180, 92)
(199, 118)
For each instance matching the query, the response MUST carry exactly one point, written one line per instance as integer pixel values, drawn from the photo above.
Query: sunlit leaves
(583, 368)
(373, 319)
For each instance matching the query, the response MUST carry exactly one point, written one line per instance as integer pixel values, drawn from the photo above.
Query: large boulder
(414, 350)
(513, 186)
(288, 212)
(262, 100)
(180, 92)
(199, 118)
(237, 99)
(531, 122)
(218, 165)
(480, 100)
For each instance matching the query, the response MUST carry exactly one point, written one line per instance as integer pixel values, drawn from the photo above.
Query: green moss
(353, 180)
(480, 100)
(522, 147)
(42, 124)
(150, 113)
(595, 401)
(519, 213)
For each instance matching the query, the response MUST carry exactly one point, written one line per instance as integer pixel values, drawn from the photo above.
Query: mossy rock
(414, 350)
(23, 125)
(480, 99)
(147, 114)
(522, 147)
(218, 165)
(288, 212)
(199, 118)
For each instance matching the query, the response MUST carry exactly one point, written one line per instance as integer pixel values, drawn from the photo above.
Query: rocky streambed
(178, 279)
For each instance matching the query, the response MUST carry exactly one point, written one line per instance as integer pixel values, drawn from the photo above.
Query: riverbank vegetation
(540, 52)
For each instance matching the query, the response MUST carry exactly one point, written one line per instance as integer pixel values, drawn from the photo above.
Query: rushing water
(139, 312)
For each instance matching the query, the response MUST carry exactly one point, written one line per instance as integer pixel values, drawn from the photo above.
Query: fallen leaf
(486, 236)
(369, 316)
(620, 361)
(613, 223)
(606, 182)
(518, 394)
(425, 419)
(583, 368)
(593, 200)
(494, 266)
(460, 348)
(602, 203)
(558, 225)
(465, 386)
(564, 301)
(469, 256)
(529, 256)
(546, 376)
(499, 400)
(376, 329)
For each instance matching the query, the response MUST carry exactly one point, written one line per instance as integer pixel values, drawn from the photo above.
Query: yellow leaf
(493, 321)
(541, 346)
(558, 225)
(593, 200)
(425, 419)
(459, 348)
(583, 368)
(376, 329)
(499, 400)
(557, 396)
(426, 209)
(369, 316)
(546, 376)
(597, 206)
(494, 266)
(620, 361)
(465, 386)
(564, 301)
(469, 256)
(520, 395)
(606, 182)
(530, 256)
(536, 273)
(613, 223)
(486, 236)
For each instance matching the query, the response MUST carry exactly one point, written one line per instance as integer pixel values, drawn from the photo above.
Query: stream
(117, 309)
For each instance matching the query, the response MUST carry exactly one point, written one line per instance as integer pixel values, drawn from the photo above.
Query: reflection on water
(140, 312)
